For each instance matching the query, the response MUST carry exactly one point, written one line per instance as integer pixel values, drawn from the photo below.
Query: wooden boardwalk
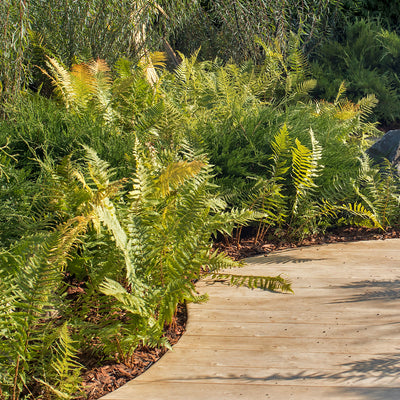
(337, 337)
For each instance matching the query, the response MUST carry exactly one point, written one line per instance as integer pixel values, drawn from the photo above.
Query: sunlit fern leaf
(272, 283)
(296, 58)
(168, 124)
(378, 188)
(185, 71)
(101, 87)
(100, 171)
(177, 173)
(147, 121)
(149, 62)
(340, 93)
(35, 285)
(305, 87)
(123, 68)
(64, 369)
(304, 167)
(366, 105)
(281, 151)
(346, 110)
(131, 302)
(61, 79)
(360, 216)
(158, 59)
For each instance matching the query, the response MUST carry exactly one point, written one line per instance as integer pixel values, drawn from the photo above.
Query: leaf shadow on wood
(375, 290)
(281, 259)
(370, 379)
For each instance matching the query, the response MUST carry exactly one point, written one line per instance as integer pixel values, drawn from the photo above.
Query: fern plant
(169, 218)
(158, 236)
(32, 271)
(378, 191)
(364, 58)
(31, 275)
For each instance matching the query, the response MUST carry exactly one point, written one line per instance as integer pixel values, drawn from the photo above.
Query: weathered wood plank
(337, 337)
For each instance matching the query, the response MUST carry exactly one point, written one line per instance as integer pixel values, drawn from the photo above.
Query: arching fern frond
(305, 168)
(359, 215)
(177, 173)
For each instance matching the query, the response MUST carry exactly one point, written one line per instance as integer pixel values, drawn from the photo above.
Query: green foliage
(31, 277)
(38, 128)
(63, 370)
(106, 185)
(378, 189)
(139, 252)
(385, 10)
(291, 178)
(366, 58)
(227, 29)
(80, 31)
(14, 26)
(95, 29)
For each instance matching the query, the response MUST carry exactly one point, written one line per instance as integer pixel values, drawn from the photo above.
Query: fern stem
(386, 202)
(260, 225)
(15, 382)
(238, 236)
(262, 230)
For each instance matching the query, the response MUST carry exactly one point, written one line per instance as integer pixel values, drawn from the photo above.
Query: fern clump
(138, 244)
(276, 151)
(366, 58)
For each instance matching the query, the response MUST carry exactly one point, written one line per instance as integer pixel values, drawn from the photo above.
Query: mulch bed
(249, 248)
(100, 380)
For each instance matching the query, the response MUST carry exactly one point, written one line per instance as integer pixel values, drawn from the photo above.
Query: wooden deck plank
(337, 337)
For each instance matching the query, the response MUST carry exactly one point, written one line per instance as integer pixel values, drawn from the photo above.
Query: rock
(388, 146)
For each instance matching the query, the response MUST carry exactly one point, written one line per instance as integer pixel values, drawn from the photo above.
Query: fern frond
(61, 79)
(131, 302)
(64, 369)
(366, 105)
(280, 147)
(101, 85)
(149, 62)
(362, 216)
(306, 87)
(340, 93)
(177, 173)
(39, 262)
(158, 59)
(305, 167)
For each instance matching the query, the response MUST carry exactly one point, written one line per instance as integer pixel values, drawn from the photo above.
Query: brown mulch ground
(100, 380)
(249, 248)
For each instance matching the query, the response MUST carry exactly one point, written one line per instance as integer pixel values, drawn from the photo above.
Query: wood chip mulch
(249, 248)
(100, 380)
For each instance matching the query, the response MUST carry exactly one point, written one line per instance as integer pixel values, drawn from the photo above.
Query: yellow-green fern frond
(177, 173)
(281, 151)
(150, 62)
(360, 215)
(305, 167)
(61, 79)
(306, 87)
(341, 92)
(366, 105)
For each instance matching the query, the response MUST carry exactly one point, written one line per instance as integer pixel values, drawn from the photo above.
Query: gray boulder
(388, 146)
